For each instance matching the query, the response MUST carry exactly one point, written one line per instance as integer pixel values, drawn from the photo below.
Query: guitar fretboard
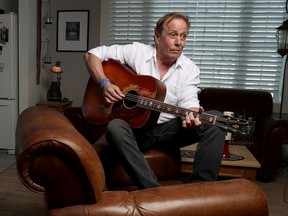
(159, 106)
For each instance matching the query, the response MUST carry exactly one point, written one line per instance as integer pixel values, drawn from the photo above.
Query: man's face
(172, 40)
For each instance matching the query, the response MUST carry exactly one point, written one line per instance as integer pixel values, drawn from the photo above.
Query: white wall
(9, 6)
(104, 22)
(29, 91)
(75, 75)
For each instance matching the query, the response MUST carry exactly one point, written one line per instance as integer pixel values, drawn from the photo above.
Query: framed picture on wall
(72, 30)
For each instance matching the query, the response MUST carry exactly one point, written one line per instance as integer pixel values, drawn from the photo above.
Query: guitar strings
(158, 105)
(176, 110)
(153, 104)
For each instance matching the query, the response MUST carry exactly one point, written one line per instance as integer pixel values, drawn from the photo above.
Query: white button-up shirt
(181, 80)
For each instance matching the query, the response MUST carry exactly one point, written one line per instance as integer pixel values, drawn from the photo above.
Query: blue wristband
(103, 82)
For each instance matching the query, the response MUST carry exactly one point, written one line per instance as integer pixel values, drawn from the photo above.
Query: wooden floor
(274, 191)
(17, 200)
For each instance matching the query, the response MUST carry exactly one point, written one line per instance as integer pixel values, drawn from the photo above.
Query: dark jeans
(131, 143)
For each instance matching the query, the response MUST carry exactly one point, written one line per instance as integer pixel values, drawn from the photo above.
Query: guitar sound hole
(130, 99)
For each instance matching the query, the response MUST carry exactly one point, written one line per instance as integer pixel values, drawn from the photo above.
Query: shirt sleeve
(117, 52)
(126, 54)
(190, 87)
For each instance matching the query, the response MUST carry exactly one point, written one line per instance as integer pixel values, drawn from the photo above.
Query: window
(232, 42)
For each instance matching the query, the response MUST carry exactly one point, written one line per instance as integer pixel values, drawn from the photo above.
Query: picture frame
(72, 30)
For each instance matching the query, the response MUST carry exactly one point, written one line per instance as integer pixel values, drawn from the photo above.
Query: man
(164, 61)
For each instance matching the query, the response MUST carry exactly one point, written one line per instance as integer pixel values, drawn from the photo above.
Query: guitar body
(97, 111)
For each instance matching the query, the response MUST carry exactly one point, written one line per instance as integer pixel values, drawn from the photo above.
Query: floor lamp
(283, 86)
(282, 41)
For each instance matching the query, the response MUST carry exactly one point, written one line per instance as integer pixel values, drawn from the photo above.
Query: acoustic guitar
(143, 102)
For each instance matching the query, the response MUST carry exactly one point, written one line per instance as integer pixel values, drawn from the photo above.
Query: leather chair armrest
(272, 134)
(53, 157)
(232, 197)
(236, 197)
(268, 126)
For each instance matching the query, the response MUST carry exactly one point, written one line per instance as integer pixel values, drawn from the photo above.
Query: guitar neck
(159, 106)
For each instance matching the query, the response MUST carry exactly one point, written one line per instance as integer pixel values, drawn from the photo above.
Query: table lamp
(54, 92)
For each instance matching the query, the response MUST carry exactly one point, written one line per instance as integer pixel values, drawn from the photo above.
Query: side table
(245, 168)
(57, 105)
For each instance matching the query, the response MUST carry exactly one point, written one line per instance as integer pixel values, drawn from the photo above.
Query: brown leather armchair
(270, 133)
(55, 159)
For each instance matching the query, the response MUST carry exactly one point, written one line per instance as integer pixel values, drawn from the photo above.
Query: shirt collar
(152, 55)
(180, 62)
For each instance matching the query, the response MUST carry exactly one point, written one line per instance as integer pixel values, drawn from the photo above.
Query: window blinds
(232, 42)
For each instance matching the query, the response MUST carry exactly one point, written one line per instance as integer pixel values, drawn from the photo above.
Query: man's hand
(112, 93)
(190, 121)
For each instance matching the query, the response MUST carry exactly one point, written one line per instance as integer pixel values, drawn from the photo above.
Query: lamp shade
(282, 38)
(57, 68)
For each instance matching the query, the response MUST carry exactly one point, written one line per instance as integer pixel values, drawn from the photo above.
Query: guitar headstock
(235, 125)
